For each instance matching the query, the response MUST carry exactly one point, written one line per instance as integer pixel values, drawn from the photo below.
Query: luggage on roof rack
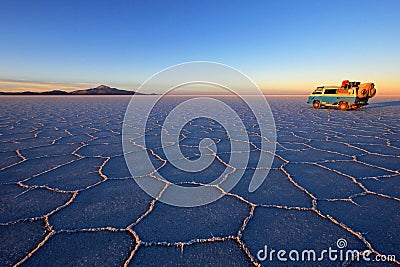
(366, 90)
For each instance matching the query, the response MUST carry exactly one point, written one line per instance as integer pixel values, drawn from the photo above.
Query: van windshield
(318, 90)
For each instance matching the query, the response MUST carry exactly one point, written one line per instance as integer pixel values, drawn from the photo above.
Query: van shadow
(384, 104)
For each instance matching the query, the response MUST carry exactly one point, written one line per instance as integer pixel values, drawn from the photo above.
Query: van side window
(330, 91)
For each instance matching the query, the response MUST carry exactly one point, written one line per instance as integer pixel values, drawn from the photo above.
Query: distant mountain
(103, 90)
(99, 90)
(54, 92)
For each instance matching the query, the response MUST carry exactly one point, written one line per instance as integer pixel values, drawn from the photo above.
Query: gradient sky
(284, 46)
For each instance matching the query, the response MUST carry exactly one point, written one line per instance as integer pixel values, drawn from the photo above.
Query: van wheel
(343, 105)
(316, 104)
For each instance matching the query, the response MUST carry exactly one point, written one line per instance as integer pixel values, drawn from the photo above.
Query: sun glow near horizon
(284, 47)
(384, 88)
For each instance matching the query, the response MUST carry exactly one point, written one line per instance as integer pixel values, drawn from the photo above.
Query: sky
(285, 47)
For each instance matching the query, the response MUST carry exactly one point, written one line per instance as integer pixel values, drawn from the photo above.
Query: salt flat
(68, 198)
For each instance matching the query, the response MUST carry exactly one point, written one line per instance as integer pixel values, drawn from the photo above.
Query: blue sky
(284, 46)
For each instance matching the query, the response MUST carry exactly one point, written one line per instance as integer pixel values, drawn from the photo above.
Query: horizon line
(171, 95)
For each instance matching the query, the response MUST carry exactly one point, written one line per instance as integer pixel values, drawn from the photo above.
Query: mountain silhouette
(99, 90)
